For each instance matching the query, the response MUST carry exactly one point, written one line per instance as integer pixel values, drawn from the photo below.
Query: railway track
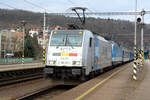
(12, 77)
(8, 81)
(46, 93)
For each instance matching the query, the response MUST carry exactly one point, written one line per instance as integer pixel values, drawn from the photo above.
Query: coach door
(91, 52)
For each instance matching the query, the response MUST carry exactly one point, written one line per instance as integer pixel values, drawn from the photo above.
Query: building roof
(18, 34)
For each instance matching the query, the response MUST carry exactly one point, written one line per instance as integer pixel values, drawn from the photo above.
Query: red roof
(18, 34)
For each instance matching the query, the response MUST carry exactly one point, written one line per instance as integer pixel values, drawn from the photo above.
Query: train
(80, 54)
(146, 54)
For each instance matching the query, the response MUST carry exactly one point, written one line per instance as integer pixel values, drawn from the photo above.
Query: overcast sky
(92, 5)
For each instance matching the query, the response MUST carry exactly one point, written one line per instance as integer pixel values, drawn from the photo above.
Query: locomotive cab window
(67, 38)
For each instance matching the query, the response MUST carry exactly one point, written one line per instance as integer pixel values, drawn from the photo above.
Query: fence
(14, 60)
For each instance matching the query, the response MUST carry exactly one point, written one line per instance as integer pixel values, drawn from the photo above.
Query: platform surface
(20, 66)
(116, 84)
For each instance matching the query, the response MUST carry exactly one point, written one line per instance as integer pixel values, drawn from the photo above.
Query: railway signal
(139, 19)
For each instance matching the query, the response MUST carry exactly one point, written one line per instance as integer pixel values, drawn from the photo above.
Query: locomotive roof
(113, 43)
(101, 38)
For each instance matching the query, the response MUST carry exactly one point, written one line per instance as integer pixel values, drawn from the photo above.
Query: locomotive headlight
(73, 62)
(76, 62)
(52, 62)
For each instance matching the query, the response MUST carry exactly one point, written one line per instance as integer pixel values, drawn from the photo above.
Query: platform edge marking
(100, 83)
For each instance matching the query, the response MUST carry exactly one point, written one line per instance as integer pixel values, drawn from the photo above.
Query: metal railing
(14, 60)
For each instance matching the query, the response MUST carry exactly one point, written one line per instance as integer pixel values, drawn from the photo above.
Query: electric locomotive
(76, 54)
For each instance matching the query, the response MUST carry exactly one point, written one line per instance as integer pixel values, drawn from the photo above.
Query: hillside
(118, 30)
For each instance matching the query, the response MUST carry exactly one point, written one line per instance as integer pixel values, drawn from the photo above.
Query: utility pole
(142, 34)
(44, 26)
(134, 76)
(23, 25)
(0, 43)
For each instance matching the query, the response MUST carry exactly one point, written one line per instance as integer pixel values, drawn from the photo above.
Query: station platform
(13, 67)
(116, 84)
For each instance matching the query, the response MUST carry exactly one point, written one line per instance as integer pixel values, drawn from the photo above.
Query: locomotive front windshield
(66, 38)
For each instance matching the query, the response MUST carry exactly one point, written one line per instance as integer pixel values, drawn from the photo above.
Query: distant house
(40, 37)
(11, 41)
(40, 40)
(18, 36)
(34, 31)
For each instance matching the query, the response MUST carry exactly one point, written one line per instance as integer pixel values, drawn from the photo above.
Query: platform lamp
(23, 23)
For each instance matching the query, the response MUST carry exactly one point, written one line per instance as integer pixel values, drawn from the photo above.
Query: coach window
(90, 43)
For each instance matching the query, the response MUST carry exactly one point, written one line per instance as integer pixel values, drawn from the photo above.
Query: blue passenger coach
(117, 54)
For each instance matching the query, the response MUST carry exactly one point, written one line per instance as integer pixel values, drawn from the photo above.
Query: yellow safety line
(100, 83)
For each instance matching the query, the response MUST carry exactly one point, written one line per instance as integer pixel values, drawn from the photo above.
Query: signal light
(139, 19)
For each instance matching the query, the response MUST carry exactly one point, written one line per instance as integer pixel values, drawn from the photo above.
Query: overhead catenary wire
(34, 4)
(88, 4)
(84, 3)
(38, 6)
(8, 5)
(102, 13)
(72, 2)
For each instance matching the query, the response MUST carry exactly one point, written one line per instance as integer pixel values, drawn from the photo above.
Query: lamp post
(23, 25)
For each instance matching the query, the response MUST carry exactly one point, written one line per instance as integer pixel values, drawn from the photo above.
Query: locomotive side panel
(88, 52)
(102, 53)
(126, 55)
